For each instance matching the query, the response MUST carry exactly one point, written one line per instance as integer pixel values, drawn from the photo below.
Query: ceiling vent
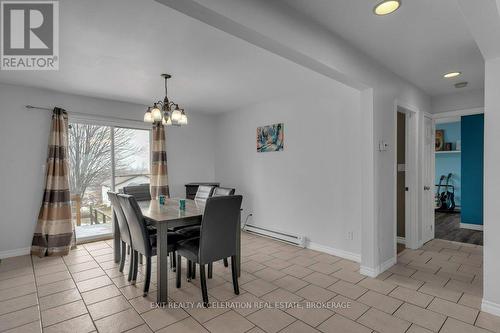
(461, 84)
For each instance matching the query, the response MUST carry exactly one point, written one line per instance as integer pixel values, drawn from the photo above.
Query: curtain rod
(117, 119)
(37, 107)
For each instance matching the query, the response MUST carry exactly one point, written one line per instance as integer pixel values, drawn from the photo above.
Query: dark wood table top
(170, 212)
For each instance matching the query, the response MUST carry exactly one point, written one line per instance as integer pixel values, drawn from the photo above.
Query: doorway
(406, 177)
(459, 178)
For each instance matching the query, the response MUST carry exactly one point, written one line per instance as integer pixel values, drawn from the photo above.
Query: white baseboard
(333, 251)
(490, 307)
(471, 226)
(374, 272)
(388, 264)
(15, 253)
(401, 240)
(368, 271)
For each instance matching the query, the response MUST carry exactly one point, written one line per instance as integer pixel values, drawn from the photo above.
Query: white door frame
(411, 174)
(424, 224)
(445, 117)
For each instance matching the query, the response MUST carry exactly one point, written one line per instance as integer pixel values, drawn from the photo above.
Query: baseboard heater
(286, 237)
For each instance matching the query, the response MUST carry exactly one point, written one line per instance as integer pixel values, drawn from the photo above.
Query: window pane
(132, 157)
(90, 172)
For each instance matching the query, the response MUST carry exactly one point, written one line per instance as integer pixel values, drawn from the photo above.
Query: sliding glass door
(103, 158)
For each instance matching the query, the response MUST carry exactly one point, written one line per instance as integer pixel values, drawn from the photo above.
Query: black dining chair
(124, 231)
(143, 238)
(217, 240)
(140, 192)
(204, 192)
(219, 192)
(194, 231)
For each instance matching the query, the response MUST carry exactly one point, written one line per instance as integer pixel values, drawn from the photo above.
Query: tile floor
(434, 289)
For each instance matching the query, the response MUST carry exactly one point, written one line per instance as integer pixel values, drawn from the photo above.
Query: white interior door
(428, 180)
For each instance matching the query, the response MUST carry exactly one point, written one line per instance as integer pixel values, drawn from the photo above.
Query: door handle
(427, 188)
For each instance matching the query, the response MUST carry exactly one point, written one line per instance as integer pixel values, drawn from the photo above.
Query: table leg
(116, 239)
(162, 263)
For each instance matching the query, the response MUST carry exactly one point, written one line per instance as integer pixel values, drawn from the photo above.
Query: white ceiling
(421, 41)
(117, 49)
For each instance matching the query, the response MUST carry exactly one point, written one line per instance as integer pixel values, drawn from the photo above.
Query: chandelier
(166, 112)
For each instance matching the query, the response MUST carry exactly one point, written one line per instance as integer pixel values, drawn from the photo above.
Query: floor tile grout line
(8, 299)
(16, 327)
(248, 330)
(16, 276)
(81, 298)
(60, 322)
(36, 288)
(26, 307)
(67, 318)
(476, 318)
(56, 292)
(357, 320)
(262, 328)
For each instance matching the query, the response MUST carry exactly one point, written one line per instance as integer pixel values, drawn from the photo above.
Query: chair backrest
(140, 192)
(221, 191)
(204, 192)
(219, 228)
(138, 231)
(120, 217)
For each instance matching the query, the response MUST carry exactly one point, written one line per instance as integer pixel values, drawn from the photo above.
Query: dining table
(164, 217)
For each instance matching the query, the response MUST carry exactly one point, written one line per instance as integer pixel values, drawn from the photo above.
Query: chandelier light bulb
(156, 112)
(176, 115)
(184, 119)
(148, 117)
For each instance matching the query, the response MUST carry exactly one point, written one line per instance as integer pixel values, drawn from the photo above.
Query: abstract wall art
(270, 138)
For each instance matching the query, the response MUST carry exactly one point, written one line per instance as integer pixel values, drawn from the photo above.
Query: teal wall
(446, 163)
(472, 131)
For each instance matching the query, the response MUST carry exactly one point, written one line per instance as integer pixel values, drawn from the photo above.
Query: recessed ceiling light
(386, 7)
(461, 84)
(451, 75)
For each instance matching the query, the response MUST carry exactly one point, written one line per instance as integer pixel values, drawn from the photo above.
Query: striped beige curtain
(159, 174)
(54, 229)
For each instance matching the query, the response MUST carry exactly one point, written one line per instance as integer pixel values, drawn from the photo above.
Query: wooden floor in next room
(448, 227)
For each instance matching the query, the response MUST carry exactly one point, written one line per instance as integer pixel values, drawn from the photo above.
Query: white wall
(272, 26)
(312, 187)
(23, 147)
(491, 298)
(458, 101)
